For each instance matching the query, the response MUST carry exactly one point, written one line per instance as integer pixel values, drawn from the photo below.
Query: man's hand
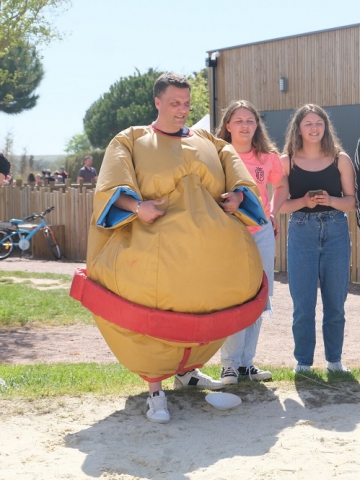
(148, 211)
(232, 201)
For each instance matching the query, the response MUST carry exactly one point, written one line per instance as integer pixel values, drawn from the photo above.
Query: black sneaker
(229, 375)
(254, 373)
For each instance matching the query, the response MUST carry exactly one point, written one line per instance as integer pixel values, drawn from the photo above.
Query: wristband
(137, 207)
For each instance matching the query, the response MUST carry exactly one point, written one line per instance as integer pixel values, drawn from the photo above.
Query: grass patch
(27, 297)
(55, 380)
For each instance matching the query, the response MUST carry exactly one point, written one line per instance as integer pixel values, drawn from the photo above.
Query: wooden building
(280, 75)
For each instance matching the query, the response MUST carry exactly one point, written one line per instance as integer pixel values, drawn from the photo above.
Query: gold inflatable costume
(166, 295)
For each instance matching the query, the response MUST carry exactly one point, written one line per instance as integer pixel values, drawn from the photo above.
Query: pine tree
(24, 74)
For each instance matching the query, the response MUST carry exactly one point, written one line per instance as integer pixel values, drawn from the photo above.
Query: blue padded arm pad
(251, 206)
(112, 215)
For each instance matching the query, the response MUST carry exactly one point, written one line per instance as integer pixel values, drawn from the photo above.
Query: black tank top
(301, 181)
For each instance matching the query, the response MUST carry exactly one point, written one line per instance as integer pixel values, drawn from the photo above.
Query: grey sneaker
(337, 367)
(302, 368)
(157, 410)
(254, 373)
(197, 379)
(229, 375)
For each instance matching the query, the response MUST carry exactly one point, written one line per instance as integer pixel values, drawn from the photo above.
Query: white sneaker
(336, 367)
(229, 375)
(157, 410)
(302, 368)
(197, 379)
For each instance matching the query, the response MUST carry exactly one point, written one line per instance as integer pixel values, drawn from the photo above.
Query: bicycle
(15, 233)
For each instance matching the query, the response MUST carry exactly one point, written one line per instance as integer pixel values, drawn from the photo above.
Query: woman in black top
(322, 188)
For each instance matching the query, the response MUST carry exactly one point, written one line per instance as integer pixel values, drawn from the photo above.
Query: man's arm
(79, 177)
(146, 211)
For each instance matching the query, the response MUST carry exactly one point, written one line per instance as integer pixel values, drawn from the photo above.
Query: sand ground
(297, 431)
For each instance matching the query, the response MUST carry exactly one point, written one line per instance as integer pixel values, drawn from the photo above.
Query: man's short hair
(167, 79)
(87, 156)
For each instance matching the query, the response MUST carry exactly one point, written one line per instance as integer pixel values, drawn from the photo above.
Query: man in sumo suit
(171, 268)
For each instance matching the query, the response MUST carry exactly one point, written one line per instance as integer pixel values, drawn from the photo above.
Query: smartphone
(312, 193)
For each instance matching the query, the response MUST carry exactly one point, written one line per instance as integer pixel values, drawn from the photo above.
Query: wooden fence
(73, 209)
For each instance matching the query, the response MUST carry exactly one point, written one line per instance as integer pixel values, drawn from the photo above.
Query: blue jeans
(239, 349)
(318, 250)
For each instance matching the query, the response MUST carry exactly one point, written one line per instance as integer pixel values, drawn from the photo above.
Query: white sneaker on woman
(229, 375)
(336, 367)
(302, 368)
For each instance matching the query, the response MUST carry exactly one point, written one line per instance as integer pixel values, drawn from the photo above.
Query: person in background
(58, 178)
(38, 179)
(322, 189)
(241, 125)
(87, 173)
(63, 173)
(4, 169)
(31, 179)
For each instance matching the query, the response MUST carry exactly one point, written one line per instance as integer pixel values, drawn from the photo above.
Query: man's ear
(157, 102)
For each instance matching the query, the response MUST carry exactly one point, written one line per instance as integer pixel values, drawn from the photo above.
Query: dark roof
(283, 38)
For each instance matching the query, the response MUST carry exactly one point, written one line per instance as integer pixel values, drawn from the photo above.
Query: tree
(129, 102)
(199, 97)
(24, 74)
(28, 20)
(24, 24)
(23, 163)
(78, 143)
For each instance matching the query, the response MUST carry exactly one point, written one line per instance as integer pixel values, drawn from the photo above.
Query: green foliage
(129, 102)
(24, 73)
(77, 379)
(28, 19)
(199, 97)
(23, 302)
(24, 24)
(38, 381)
(77, 144)
(73, 163)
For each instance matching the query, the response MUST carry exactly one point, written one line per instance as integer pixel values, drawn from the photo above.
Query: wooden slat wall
(73, 209)
(322, 68)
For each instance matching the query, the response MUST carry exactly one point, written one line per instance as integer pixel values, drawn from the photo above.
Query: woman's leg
(239, 349)
(334, 280)
(265, 241)
(303, 273)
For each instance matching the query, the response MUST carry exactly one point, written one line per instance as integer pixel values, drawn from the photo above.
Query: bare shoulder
(344, 161)
(285, 160)
(343, 156)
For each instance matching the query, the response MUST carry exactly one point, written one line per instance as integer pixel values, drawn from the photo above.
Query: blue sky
(106, 40)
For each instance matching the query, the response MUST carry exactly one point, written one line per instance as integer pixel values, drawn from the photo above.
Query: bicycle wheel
(6, 246)
(52, 243)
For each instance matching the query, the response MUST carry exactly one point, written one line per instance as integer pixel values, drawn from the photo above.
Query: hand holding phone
(312, 193)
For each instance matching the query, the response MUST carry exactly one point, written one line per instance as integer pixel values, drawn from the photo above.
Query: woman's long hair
(330, 144)
(260, 142)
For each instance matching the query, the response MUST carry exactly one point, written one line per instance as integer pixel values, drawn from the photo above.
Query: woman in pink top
(241, 125)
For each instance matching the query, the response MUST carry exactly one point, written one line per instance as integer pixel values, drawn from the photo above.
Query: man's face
(88, 162)
(173, 107)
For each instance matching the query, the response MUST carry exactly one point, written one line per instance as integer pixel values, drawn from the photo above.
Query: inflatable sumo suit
(166, 295)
